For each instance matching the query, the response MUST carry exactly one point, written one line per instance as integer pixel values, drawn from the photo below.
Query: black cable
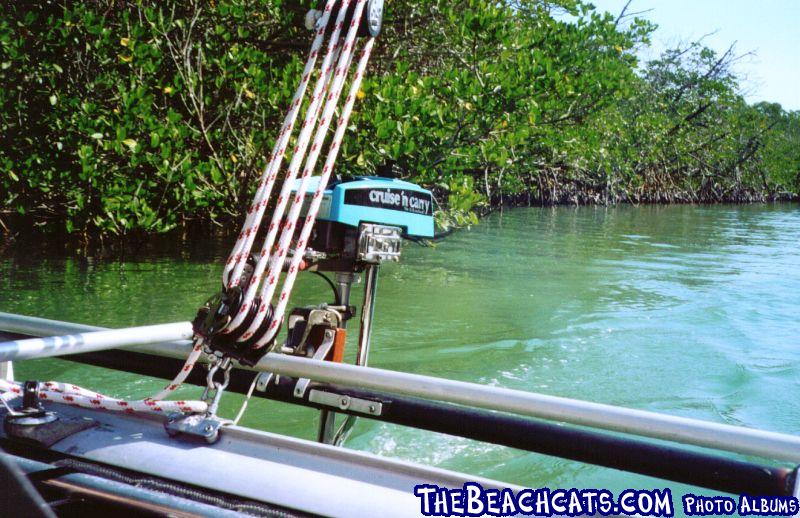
(336, 295)
(233, 503)
(425, 242)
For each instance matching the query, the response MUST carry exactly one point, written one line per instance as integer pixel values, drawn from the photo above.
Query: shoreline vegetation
(128, 118)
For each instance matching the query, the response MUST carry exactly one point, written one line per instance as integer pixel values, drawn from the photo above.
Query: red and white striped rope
(313, 208)
(197, 350)
(283, 197)
(278, 256)
(238, 257)
(312, 114)
(77, 396)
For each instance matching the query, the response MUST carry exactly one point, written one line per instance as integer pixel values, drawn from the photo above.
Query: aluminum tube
(367, 312)
(92, 341)
(327, 418)
(345, 281)
(719, 436)
(364, 334)
(714, 470)
(35, 326)
(637, 422)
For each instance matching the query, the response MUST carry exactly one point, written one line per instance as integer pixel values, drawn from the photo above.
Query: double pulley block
(214, 316)
(312, 331)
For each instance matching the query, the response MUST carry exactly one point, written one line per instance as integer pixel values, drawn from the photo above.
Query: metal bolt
(208, 428)
(372, 409)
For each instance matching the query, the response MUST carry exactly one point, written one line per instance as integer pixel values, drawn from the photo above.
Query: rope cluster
(318, 117)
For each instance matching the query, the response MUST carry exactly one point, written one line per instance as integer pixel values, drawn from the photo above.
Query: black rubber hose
(336, 295)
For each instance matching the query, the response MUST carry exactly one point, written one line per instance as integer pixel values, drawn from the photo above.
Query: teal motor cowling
(362, 221)
(375, 199)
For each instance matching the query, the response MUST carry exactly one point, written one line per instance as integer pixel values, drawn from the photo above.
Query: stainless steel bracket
(195, 425)
(263, 381)
(322, 351)
(344, 402)
(379, 243)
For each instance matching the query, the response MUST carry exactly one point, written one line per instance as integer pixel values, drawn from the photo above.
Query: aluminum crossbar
(92, 341)
(36, 326)
(596, 415)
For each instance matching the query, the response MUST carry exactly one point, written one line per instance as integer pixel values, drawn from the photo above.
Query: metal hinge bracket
(344, 402)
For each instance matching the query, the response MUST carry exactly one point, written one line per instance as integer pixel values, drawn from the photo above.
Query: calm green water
(685, 310)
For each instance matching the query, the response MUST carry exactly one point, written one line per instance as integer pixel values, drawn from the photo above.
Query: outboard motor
(361, 224)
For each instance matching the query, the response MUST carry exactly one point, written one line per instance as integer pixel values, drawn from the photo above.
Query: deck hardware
(197, 425)
(374, 17)
(206, 425)
(344, 402)
(379, 243)
(212, 319)
(312, 333)
(263, 381)
(304, 322)
(217, 387)
(30, 412)
(323, 350)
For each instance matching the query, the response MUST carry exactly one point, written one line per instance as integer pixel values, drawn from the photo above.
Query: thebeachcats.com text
(472, 499)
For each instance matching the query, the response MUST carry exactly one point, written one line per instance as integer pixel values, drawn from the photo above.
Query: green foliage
(685, 134)
(142, 115)
(117, 116)
(477, 88)
(462, 203)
